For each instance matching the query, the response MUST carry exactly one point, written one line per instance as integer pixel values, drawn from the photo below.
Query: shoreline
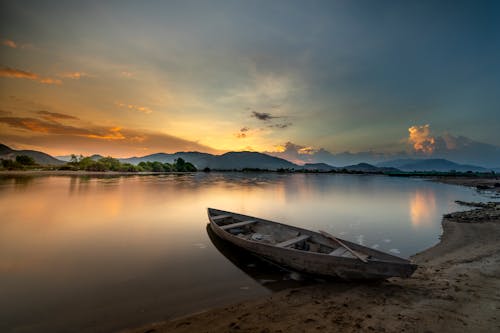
(83, 173)
(456, 288)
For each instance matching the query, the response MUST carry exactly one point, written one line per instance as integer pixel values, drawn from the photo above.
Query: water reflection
(422, 208)
(112, 252)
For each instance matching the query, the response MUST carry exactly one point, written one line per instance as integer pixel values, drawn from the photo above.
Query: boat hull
(318, 263)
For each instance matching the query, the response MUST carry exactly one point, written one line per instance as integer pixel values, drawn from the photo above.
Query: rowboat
(317, 253)
(264, 272)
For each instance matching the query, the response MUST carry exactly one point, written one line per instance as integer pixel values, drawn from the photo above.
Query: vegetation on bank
(81, 163)
(21, 162)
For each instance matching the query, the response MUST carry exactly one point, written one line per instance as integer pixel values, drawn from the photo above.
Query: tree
(182, 166)
(75, 159)
(110, 163)
(25, 160)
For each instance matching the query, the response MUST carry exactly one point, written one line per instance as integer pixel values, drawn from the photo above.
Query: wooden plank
(237, 224)
(218, 217)
(360, 256)
(292, 241)
(338, 251)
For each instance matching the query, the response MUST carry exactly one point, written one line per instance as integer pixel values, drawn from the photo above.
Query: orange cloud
(9, 43)
(49, 80)
(86, 138)
(73, 75)
(421, 139)
(306, 151)
(55, 116)
(139, 108)
(20, 74)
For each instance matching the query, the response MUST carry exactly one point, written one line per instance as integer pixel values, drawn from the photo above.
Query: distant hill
(67, 158)
(365, 167)
(227, 161)
(318, 167)
(7, 153)
(200, 160)
(434, 164)
(246, 159)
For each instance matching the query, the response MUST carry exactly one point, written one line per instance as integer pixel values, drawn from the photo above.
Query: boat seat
(219, 217)
(237, 224)
(293, 241)
(338, 251)
(341, 252)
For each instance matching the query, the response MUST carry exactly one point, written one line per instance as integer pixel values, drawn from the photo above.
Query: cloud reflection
(422, 208)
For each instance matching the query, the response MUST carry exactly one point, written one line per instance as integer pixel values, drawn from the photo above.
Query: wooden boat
(306, 251)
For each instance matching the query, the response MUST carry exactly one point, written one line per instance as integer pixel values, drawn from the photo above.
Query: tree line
(79, 162)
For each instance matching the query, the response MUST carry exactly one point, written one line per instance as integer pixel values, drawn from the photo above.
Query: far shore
(455, 289)
(81, 173)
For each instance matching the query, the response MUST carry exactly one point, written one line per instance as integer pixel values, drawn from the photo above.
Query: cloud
(420, 139)
(262, 115)
(51, 127)
(281, 126)
(20, 74)
(54, 116)
(301, 154)
(10, 43)
(139, 108)
(295, 153)
(127, 74)
(46, 131)
(73, 75)
(242, 133)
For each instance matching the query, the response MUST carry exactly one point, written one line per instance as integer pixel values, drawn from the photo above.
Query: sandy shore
(455, 289)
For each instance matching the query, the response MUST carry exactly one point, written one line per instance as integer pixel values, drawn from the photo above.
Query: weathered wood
(360, 256)
(237, 224)
(218, 217)
(292, 241)
(313, 259)
(338, 251)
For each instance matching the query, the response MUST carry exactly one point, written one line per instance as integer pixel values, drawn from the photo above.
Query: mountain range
(7, 153)
(430, 164)
(255, 160)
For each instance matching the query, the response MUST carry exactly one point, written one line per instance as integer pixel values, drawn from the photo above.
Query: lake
(81, 253)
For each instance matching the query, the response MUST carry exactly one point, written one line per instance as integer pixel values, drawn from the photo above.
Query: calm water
(100, 254)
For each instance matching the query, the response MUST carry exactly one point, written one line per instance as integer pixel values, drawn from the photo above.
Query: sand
(455, 289)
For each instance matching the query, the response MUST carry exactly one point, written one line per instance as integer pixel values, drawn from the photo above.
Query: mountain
(7, 153)
(459, 149)
(227, 161)
(432, 164)
(247, 159)
(318, 167)
(200, 160)
(365, 167)
(67, 158)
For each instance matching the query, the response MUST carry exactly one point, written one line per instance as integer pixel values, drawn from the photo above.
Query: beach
(455, 289)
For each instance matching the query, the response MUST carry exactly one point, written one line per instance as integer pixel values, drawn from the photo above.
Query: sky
(130, 78)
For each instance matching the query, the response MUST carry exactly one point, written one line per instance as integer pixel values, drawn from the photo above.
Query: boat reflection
(269, 275)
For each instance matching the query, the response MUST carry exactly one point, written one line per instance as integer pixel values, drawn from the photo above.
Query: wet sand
(455, 289)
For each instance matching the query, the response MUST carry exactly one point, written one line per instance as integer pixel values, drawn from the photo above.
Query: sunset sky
(133, 78)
